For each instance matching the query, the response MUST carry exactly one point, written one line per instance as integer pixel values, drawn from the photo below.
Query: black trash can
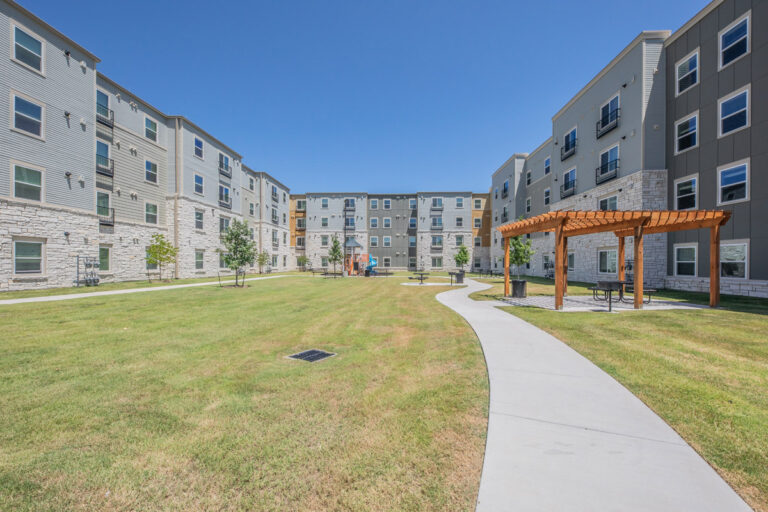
(367, 273)
(460, 277)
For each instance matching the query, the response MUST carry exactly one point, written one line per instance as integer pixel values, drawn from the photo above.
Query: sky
(363, 96)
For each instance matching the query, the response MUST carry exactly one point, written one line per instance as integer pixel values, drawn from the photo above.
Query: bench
(607, 288)
(332, 274)
(646, 291)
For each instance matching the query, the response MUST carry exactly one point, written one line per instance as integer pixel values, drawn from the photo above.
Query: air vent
(312, 356)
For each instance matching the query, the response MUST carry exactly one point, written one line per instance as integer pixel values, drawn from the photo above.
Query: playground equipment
(371, 268)
(89, 276)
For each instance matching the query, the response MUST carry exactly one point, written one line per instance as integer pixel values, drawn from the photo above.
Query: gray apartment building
(273, 225)
(334, 214)
(392, 230)
(444, 224)
(504, 184)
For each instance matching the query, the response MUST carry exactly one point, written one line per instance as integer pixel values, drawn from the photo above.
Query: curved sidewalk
(565, 436)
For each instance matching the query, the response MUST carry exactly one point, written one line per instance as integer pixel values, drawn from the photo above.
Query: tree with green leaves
(240, 249)
(335, 254)
(520, 252)
(262, 259)
(302, 261)
(160, 253)
(461, 257)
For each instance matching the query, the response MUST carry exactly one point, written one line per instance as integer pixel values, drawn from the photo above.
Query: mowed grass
(536, 286)
(184, 400)
(704, 371)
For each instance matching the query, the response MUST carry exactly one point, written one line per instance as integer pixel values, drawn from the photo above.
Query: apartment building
(481, 232)
(274, 228)
(504, 184)
(392, 230)
(298, 226)
(717, 156)
(334, 214)
(444, 224)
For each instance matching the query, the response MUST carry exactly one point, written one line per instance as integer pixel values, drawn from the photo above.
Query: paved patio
(587, 303)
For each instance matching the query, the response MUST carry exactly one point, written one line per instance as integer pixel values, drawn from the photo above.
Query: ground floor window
(733, 260)
(571, 261)
(608, 203)
(150, 266)
(412, 262)
(299, 241)
(105, 255)
(607, 259)
(199, 255)
(477, 262)
(324, 261)
(437, 261)
(285, 261)
(387, 261)
(27, 183)
(685, 260)
(222, 260)
(274, 260)
(27, 257)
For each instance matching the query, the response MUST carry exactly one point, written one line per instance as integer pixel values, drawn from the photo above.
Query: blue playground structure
(371, 268)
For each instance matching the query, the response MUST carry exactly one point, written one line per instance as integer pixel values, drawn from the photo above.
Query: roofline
(336, 193)
(208, 134)
(39, 20)
(642, 36)
(263, 174)
(447, 192)
(516, 155)
(548, 141)
(104, 77)
(691, 22)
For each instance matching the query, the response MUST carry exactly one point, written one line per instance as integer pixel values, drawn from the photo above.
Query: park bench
(647, 291)
(606, 289)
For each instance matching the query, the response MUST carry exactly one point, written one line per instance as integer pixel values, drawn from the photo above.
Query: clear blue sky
(376, 96)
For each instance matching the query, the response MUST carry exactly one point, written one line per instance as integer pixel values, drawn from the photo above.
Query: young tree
(335, 254)
(262, 259)
(240, 249)
(520, 252)
(160, 253)
(302, 262)
(461, 257)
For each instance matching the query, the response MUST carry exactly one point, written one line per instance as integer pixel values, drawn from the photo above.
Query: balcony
(105, 166)
(607, 123)
(105, 115)
(436, 227)
(225, 170)
(106, 215)
(275, 220)
(567, 150)
(504, 217)
(225, 204)
(607, 171)
(275, 244)
(275, 197)
(349, 208)
(505, 193)
(437, 206)
(567, 189)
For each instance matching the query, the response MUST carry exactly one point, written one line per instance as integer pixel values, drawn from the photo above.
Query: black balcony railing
(504, 217)
(437, 227)
(106, 215)
(607, 122)
(105, 115)
(275, 197)
(607, 171)
(567, 189)
(504, 193)
(225, 204)
(275, 243)
(105, 166)
(225, 170)
(349, 208)
(568, 149)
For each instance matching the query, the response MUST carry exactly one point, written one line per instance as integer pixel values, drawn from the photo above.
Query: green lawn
(536, 286)
(184, 400)
(704, 371)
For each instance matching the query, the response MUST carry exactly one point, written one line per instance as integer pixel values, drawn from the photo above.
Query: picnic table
(421, 276)
(606, 288)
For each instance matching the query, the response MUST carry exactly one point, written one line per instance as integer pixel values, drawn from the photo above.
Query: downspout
(177, 171)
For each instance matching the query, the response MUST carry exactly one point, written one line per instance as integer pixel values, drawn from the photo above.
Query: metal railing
(436, 227)
(275, 197)
(504, 193)
(225, 204)
(504, 217)
(106, 215)
(567, 189)
(105, 115)
(607, 123)
(437, 206)
(225, 169)
(568, 149)
(607, 171)
(105, 166)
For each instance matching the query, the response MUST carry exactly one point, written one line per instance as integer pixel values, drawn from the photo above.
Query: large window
(687, 72)
(478, 221)
(105, 258)
(374, 204)
(608, 203)
(27, 183)
(734, 112)
(103, 204)
(459, 202)
(387, 222)
(150, 129)
(437, 240)
(324, 222)
(733, 183)
(374, 241)
(102, 105)
(459, 222)
(607, 259)
(324, 241)
(324, 202)
(412, 262)
(387, 204)
(478, 241)
(28, 49)
(301, 205)
(609, 112)
(198, 184)
(28, 116)
(199, 260)
(199, 214)
(734, 41)
(569, 141)
(569, 179)
(733, 260)
(437, 222)
(609, 161)
(437, 202)
(349, 222)
(685, 260)
(223, 224)
(387, 261)
(478, 204)
(412, 223)
(374, 222)
(437, 262)
(150, 213)
(411, 241)
(198, 147)
(224, 196)
(459, 240)
(150, 171)
(150, 266)
(686, 193)
(27, 257)
(387, 241)
(686, 133)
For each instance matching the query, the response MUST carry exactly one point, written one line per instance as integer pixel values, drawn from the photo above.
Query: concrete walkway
(86, 295)
(565, 436)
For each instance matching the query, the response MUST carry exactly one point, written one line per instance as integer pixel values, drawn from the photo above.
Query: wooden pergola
(634, 223)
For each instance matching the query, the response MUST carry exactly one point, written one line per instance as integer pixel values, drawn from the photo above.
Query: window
(733, 183)
(150, 213)
(275, 240)
(686, 133)
(478, 222)
(477, 262)
(274, 193)
(478, 241)
(104, 258)
(547, 195)
(685, 260)
(198, 184)
(437, 261)
(734, 41)
(150, 129)
(224, 197)
(251, 183)
(199, 259)
(285, 218)
(27, 183)
(374, 204)
(222, 260)
(27, 49)
(505, 189)
(223, 162)
(571, 261)
(28, 116)
(437, 202)
(569, 141)
(324, 222)
(733, 260)
(275, 217)
(387, 204)
(150, 171)
(412, 262)
(608, 203)
(527, 177)
(150, 266)
(300, 241)
(251, 209)
(223, 224)
(285, 237)
(374, 241)
(412, 223)
(252, 233)
(547, 165)
(687, 72)
(387, 261)
(478, 204)
(102, 204)
(349, 222)
(685, 193)
(324, 202)
(301, 205)
(411, 241)
(459, 240)
(27, 257)
(324, 241)
(609, 162)
(459, 202)
(569, 179)
(437, 222)
(349, 202)
(301, 223)
(374, 222)
(437, 240)
(609, 112)
(459, 222)
(199, 150)
(496, 193)
(323, 261)
(199, 214)
(607, 259)
(412, 204)
(527, 205)
(387, 241)
(734, 112)
(387, 222)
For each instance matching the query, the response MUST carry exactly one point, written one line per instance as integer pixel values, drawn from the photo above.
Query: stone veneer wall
(283, 249)
(749, 288)
(128, 242)
(424, 251)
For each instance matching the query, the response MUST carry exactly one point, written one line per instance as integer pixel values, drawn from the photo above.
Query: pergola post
(565, 266)
(559, 242)
(714, 266)
(638, 267)
(622, 265)
(506, 266)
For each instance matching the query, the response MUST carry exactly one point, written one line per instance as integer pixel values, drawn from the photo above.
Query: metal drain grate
(312, 355)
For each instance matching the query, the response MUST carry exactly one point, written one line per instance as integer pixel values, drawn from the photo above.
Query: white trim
(111, 269)
(741, 241)
(12, 171)
(157, 130)
(547, 199)
(617, 94)
(674, 132)
(528, 205)
(690, 177)
(155, 183)
(384, 204)
(606, 150)
(726, 167)
(698, 72)
(157, 221)
(376, 207)
(43, 256)
(550, 165)
(576, 129)
(370, 223)
(747, 15)
(688, 245)
(194, 185)
(195, 138)
(12, 110)
(43, 45)
(746, 89)
(384, 223)
(607, 249)
(608, 196)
